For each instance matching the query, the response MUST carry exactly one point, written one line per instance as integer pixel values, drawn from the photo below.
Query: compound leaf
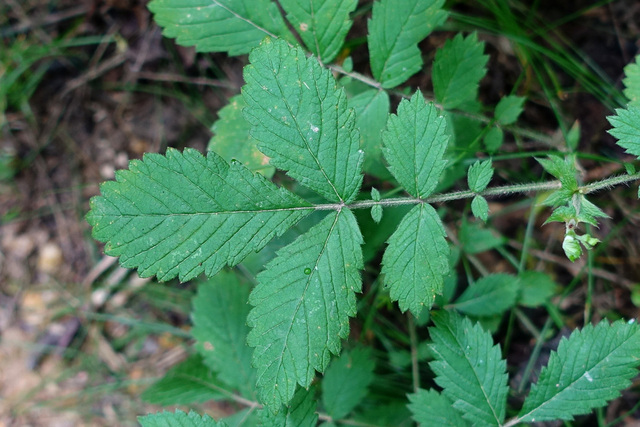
(220, 328)
(457, 70)
(432, 409)
(632, 82)
(302, 305)
(182, 214)
(346, 382)
(191, 381)
(322, 24)
(589, 369)
(301, 120)
(233, 26)
(395, 29)
(301, 412)
(231, 139)
(414, 142)
(479, 176)
(416, 260)
(626, 127)
(508, 109)
(179, 419)
(489, 296)
(469, 368)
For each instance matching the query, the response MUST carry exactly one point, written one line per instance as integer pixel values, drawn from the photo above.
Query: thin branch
(357, 76)
(413, 336)
(176, 78)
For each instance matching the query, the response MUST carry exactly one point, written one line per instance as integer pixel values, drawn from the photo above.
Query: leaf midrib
(480, 384)
(301, 134)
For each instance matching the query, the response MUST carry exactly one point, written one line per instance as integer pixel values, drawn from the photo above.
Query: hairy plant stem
(495, 191)
(608, 183)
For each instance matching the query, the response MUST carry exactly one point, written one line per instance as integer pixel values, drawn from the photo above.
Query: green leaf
(302, 306)
(469, 368)
(588, 211)
(416, 260)
(183, 214)
(432, 409)
(626, 127)
(508, 109)
(480, 174)
(573, 136)
(179, 419)
(414, 143)
(491, 295)
(322, 24)
(457, 70)
(536, 288)
(301, 120)
(231, 139)
(219, 326)
(372, 110)
(233, 26)
(589, 369)
(395, 29)
(376, 211)
(579, 209)
(188, 382)
(630, 168)
(632, 82)
(377, 235)
(347, 64)
(242, 418)
(563, 169)
(301, 412)
(493, 139)
(394, 414)
(401, 359)
(476, 239)
(480, 208)
(346, 382)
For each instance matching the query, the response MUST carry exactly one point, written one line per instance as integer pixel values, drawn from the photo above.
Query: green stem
(356, 76)
(495, 191)
(608, 183)
(413, 336)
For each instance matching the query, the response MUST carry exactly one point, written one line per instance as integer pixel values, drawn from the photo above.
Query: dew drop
(307, 271)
